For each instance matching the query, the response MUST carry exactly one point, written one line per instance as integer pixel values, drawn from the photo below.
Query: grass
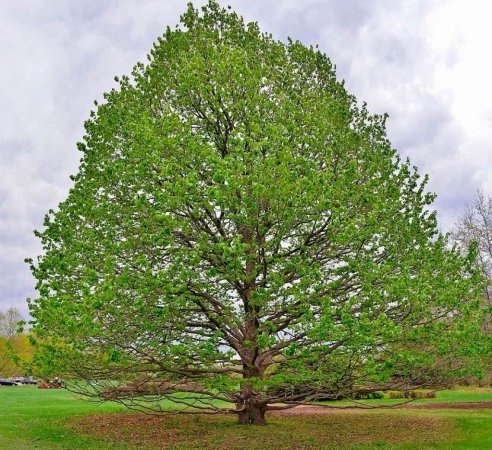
(464, 394)
(31, 418)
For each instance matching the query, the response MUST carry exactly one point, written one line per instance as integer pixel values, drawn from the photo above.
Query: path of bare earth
(314, 410)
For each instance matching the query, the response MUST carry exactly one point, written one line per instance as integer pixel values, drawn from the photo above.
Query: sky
(426, 63)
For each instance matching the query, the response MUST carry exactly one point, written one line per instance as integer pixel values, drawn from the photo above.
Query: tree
(241, 231)
(475, 225)
(9, 323)
(9, 337)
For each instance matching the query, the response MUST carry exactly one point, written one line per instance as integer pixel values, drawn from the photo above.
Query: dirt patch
(307, 410)
(463, 405)
(338, 429)
(313, 410)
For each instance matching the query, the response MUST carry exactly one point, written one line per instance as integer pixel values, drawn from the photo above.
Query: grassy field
(34, 418)
(452, 396)
(53, 419)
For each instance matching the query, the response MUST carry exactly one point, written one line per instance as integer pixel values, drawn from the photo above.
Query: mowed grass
(32, 418)
(463, 394)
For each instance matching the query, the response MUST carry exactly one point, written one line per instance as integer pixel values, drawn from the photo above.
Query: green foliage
(421, 393)
(376, 395)
(239, 222)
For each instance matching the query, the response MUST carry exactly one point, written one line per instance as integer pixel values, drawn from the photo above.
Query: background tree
(10, 340)
(475, 225)
(241, 231)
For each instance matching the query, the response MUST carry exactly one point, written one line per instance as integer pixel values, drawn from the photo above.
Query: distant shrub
(419, 393)
(367, 395)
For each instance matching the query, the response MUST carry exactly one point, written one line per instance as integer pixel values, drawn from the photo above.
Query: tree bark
(252, 414)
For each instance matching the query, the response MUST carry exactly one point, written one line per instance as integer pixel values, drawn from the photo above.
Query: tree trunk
(251, 414)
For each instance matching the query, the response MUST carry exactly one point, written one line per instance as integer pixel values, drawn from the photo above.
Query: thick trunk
(251, 414)
(250, 409)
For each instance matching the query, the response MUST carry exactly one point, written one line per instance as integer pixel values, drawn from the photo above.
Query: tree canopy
(240, 230)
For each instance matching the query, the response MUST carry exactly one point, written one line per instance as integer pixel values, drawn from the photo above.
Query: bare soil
(462, 405)
(313, 410)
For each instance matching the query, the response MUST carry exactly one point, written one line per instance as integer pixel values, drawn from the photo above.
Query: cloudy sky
(426, 63)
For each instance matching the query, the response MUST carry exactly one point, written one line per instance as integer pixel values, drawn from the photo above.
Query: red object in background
(50, 386)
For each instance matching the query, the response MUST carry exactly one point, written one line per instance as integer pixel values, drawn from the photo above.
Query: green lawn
(31, 418)
(461, 395)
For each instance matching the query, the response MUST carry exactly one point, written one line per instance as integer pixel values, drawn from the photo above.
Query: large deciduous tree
(240, 230)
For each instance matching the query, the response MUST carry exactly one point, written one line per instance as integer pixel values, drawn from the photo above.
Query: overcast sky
(426, 63)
